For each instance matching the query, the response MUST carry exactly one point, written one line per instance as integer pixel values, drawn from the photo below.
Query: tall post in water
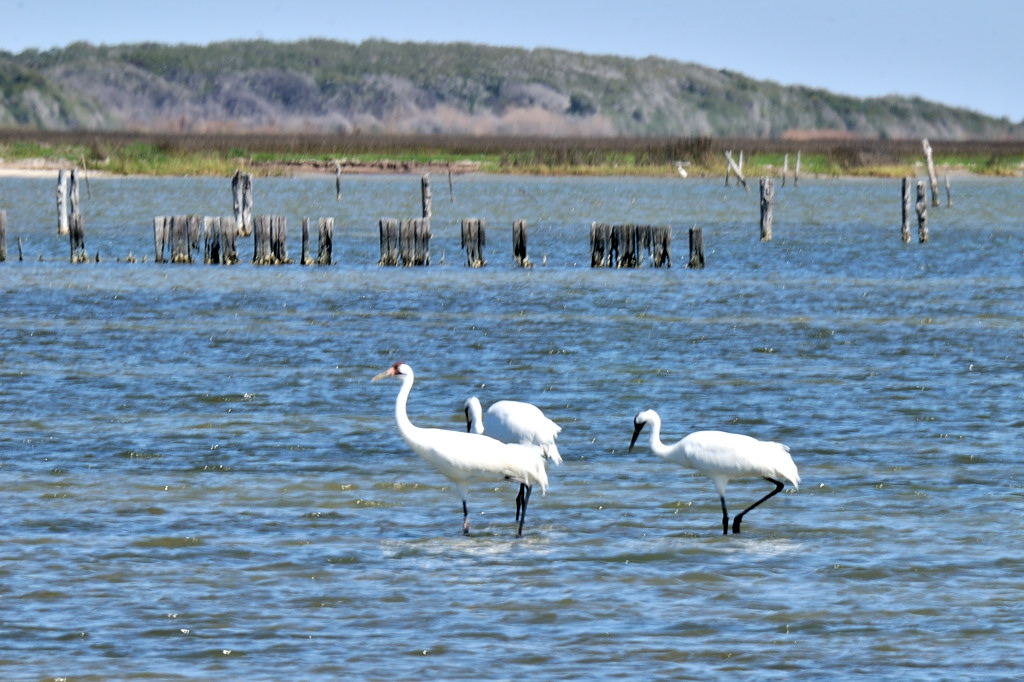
(907, 203)
(931, 171)
(62, 202)
(428, 198)
(922, 214)
(519, 244)
(3, 236)
(696, 248)
(767, 197)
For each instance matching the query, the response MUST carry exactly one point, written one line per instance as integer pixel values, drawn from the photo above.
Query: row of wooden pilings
(407, 242)
(182, 236)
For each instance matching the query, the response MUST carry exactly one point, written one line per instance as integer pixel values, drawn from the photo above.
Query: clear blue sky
(965, 53)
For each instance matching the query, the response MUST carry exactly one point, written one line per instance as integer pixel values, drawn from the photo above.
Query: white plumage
(466, 458)
(511, 421)
(721, 456)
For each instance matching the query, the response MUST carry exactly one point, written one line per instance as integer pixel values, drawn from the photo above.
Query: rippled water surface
(197, 478)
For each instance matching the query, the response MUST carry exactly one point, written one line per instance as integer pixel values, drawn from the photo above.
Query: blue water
(199, 480)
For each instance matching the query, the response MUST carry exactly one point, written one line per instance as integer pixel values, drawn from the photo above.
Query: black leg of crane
(519, 500)
(725, 516)
(739, 517)
(465, 518)
(526, 500)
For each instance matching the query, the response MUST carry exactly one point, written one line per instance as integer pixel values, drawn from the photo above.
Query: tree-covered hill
(457, 88)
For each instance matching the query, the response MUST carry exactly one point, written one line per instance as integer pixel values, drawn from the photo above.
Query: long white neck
(657, 447)
(405, 427)
(474, 413)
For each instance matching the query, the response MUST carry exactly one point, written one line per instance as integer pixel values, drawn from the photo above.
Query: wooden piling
(661, 237)
(76, 232)
(922, 214)
(519, 244)
(181, 243)
(624, 245)
(428, 197)
(304, 259)
(62, 202)
(785, 168)
(161, 236)
(3, 236)
(325, 241)
(262, 244)
(949, 196)
(422, 234)
(241, 192)
(907, 203)
(644, 245)
(736, 169)
(796, 171)
(337, 179)
(767, 199)
(473, 241)
(73, 199)
(600, 238)
(931, 171)
(388, 241)
(696, 248)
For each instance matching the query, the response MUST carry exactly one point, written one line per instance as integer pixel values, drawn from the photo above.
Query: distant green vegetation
(212, 155)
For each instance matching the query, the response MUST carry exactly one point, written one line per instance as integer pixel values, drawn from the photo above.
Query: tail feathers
(786, 467)
(551, 452)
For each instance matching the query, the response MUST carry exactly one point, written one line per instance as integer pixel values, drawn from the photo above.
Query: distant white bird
(511, 421)
(466, 458)
(679, 167)
(721, 456)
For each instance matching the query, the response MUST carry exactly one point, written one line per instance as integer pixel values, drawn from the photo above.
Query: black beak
(637, 428)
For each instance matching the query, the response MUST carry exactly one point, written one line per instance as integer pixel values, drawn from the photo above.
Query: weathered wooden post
(473, 241)
(600, 238)
(304, 259)
(73, 202)
(785, 168)
(325, 241)
(76, 230)
(228, 235)
(907, 202)
(931, 171)
(696, 248)
(767, 197)
(662, 238)
(428, 198)
(624, 245)
(421, 233)
(949, 196)
(262, 247)
(161, 236)
(62, 202)
(643, 243)
(407, 241)
(279, 239)
(796, 172)
(736, 169)
(388, 241)
(337, 179)
(241, 191)
(211, 240)
(181, 251)
(728, 167)
(922, 214)
(519, 244)
(3, 236)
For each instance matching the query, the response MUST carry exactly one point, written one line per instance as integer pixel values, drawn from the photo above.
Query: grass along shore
(121, 153)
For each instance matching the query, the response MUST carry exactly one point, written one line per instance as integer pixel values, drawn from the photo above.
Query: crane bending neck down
(722, 456)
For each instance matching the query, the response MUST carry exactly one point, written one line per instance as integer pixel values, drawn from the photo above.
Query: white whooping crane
(466, 458)
(721, 456)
